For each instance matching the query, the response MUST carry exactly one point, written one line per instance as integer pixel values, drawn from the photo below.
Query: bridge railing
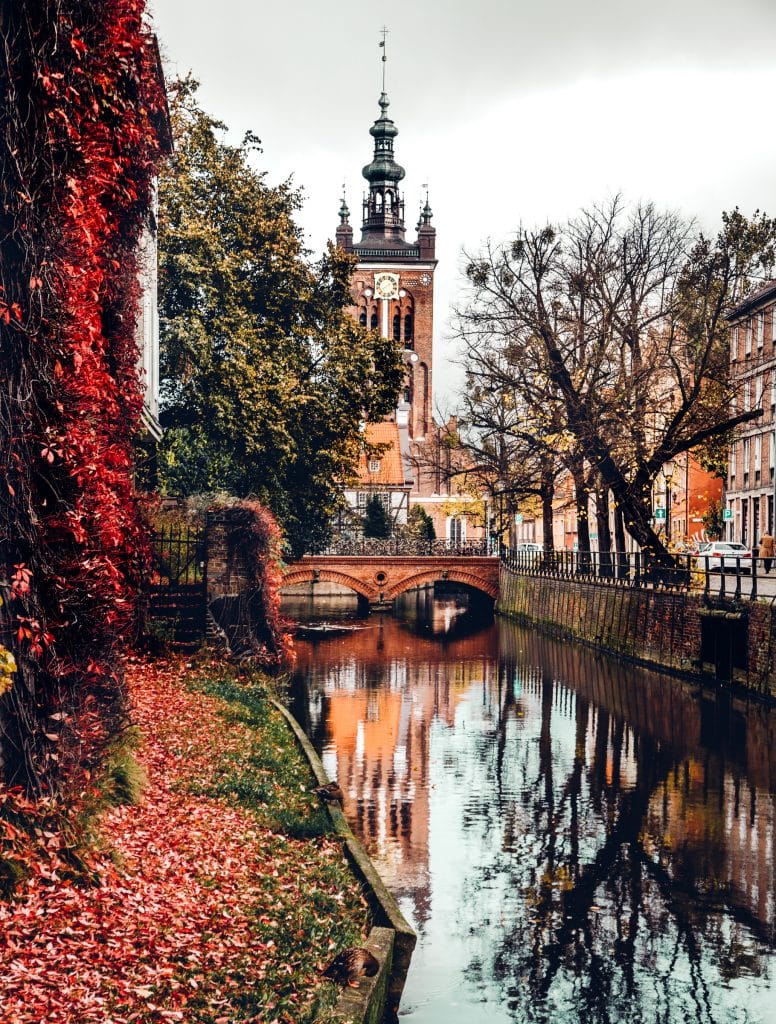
(413, 547)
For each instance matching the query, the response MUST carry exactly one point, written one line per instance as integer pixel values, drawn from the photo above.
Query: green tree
(265, 377)
(420, 524)
(377, 522)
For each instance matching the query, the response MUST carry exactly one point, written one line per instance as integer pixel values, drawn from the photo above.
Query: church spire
(383, 206)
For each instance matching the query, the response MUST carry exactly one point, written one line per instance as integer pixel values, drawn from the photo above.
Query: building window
(758, 455)
(747, 455)
(748, 339)
(732, 463)
(407, 395)
(374, 322)
(771, 453)
(374, 465)
(744, 520)
(747, 395)
(361, 499)
(760, 329)
(734, 346)
(758, 391)
(456, 530)
(408, 327)
(770, 514)
(362, 318)
(396, 326)
(773, 325)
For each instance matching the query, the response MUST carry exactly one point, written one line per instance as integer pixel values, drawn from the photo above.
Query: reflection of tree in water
(602, 914)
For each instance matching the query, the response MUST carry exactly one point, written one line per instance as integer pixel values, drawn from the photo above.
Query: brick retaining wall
(659, 628)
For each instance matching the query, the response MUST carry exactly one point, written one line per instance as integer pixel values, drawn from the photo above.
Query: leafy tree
(265, 377)
(613, 329)
(420, 524)
(713, 523)
(377, 522)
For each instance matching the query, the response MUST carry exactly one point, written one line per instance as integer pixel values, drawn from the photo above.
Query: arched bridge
(380, 571)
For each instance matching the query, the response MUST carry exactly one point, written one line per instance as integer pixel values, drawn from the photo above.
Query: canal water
(573, 839)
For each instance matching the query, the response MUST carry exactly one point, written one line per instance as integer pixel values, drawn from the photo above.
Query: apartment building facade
(749, 501)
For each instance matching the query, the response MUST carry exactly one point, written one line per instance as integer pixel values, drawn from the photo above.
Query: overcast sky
(514, 112)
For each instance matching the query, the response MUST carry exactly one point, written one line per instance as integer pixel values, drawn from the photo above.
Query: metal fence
(728, 576)
(177, 594)
(406, 546)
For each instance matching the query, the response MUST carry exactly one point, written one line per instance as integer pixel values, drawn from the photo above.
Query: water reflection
(572, 838)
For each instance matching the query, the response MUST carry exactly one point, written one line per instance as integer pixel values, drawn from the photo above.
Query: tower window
(374, 322)
(396, 326)
(408, 327)
(362, 318)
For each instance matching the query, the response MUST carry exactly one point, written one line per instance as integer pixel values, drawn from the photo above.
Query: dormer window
(374, 465)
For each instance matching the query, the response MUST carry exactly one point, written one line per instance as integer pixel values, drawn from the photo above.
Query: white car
(724, 555)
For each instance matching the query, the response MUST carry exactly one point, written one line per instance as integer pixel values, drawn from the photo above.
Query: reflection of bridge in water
(379, 571)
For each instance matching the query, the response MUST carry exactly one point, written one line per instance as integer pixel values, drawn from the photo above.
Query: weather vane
(384, 31)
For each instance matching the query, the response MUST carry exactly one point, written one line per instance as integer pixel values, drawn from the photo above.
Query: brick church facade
(393, 292)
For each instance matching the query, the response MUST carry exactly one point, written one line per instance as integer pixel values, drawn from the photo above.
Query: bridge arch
(330, 576)
(485, 586)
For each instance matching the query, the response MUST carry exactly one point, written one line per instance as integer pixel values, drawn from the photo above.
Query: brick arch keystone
(487, 586)
(330, 576)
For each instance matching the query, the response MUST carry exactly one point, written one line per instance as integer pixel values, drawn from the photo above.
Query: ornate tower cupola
(384, 204)
(426, 233)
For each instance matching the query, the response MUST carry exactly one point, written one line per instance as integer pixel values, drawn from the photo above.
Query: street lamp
(668, 475)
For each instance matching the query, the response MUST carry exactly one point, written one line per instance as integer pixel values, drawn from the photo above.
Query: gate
(177, 595)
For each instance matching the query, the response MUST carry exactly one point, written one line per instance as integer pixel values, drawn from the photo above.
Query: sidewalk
(208, 910)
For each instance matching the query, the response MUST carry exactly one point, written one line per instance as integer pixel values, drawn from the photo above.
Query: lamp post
(668, 475)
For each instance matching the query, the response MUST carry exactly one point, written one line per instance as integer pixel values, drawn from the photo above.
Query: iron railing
(177, 592)
(370, 547)
(725, 576)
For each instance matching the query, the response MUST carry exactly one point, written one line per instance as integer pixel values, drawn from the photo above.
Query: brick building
(393, 292)
(750, 490)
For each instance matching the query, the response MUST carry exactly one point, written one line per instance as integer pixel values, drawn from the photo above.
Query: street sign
(727, 514)
(660, 513)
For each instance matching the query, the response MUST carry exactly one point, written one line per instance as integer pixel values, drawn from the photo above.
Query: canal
(573, 839)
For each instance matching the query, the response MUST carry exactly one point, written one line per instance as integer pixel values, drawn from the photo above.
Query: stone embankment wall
(661, 628)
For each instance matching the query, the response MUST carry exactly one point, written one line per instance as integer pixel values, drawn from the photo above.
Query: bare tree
(613, 330)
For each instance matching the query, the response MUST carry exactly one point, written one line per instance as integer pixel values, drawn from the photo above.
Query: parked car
(724, 555)
(529, 547)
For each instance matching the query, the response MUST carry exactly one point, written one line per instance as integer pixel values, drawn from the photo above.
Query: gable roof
(391, 467)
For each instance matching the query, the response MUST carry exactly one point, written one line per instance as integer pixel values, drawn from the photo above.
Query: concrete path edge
(392, 939)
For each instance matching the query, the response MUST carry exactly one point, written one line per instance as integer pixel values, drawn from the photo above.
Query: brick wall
(227, 574)
(658, 628)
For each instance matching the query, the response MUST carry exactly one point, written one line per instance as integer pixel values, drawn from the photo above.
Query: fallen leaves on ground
(202, 912)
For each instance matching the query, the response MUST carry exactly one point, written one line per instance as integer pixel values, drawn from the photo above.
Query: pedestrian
(766, 550)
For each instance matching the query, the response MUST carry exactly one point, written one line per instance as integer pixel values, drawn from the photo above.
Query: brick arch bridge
(379, 579)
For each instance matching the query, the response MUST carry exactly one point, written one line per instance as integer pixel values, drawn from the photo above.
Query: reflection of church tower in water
(393, 283)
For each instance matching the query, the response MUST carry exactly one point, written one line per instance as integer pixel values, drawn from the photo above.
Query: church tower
(393, 283)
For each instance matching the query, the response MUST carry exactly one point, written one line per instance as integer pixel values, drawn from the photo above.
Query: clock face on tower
(387, 286)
